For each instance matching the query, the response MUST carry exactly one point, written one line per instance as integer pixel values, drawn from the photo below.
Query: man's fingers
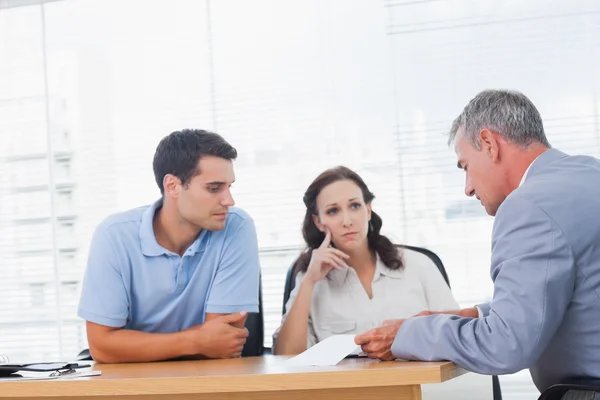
(393, 322)
(233, 318)
(424, 313)
(382, 355)
(366, 348)
(242, 333)
(327, 239)
(371, 347)
(363, 338)
(237, 350)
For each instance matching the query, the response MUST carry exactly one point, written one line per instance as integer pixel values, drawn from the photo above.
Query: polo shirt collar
(150, 246)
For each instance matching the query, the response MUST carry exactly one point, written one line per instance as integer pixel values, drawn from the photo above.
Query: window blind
(296, 87)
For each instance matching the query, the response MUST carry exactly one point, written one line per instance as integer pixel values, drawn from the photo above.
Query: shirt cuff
(101, 320)
(230, 309)
(483, 309)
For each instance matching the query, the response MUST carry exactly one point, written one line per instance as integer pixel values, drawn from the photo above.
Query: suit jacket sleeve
(483, 309)
(533, 273)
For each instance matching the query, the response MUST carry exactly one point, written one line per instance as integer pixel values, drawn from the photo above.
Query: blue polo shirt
(133, 282)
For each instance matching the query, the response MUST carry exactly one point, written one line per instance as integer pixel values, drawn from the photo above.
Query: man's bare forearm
(465, 312)
(471, 312)
(122, 345)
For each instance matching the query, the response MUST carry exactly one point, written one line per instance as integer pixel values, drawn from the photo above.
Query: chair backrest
(573, 389)
(433, 257)
(256, 329)
(290, 283)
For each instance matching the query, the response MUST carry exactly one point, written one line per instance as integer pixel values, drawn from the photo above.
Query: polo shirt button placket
(179, 286)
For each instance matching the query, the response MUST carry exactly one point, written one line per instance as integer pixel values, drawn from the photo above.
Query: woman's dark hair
(387, 251)
(179, 153)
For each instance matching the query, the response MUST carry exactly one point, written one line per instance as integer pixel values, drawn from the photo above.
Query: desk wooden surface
(247, 378)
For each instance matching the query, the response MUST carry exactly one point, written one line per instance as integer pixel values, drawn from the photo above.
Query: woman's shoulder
(299, 277)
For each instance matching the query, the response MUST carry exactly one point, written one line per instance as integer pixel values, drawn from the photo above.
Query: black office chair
(576, 389)
(84, 355)
(254, 346)
(256, 335)
(290, 282)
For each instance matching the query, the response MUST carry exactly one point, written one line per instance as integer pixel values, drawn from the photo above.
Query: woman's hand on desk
(218, 337)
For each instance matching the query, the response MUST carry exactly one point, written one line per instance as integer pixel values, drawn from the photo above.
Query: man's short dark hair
(178, 154)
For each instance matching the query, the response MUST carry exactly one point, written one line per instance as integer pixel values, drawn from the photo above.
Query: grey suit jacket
(545, 312)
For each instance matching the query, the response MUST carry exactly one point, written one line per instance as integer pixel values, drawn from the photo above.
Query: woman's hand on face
(324, 259)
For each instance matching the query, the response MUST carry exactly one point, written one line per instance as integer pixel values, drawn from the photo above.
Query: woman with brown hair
(368, 279)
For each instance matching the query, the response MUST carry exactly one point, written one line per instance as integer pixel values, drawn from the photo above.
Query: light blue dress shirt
(134, 283)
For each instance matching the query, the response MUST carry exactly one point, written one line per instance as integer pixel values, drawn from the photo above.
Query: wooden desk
(248, 378)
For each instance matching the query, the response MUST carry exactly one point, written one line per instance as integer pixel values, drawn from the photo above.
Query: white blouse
(340, 304)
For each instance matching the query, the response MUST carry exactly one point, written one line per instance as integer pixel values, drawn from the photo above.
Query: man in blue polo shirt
(176, 278)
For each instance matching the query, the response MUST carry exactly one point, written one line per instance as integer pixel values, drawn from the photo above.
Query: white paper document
(38, 376)
(328, 352)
